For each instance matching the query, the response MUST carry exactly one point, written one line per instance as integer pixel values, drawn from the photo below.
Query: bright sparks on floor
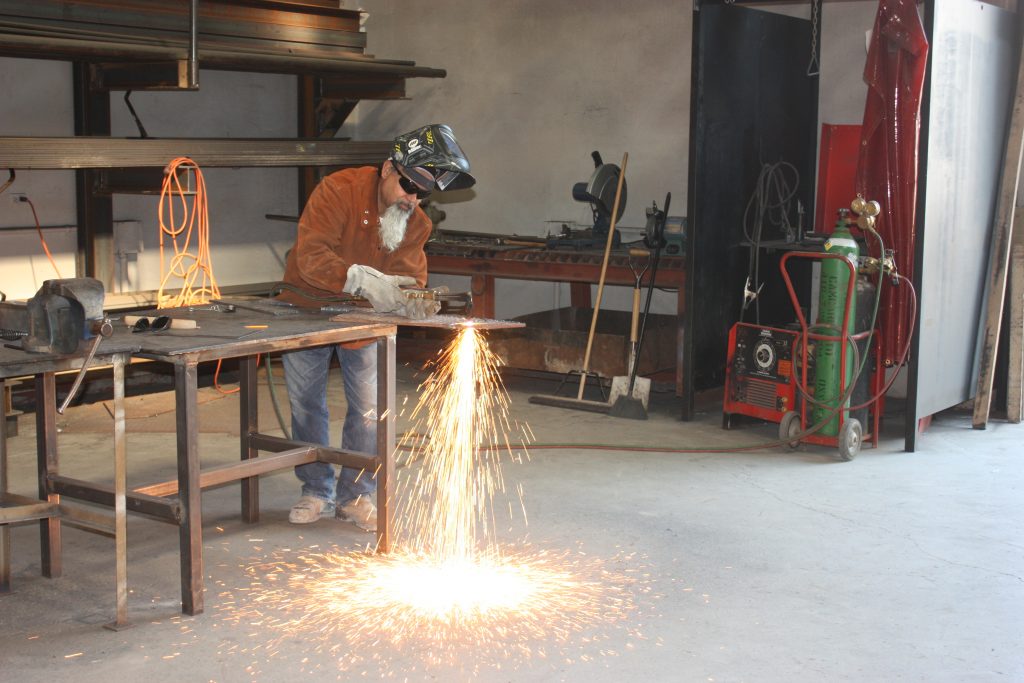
(448, 593)
(482, 612)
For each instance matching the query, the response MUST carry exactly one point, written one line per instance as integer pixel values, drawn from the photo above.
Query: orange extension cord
(192, 230)
(42, 240)
(195, 270)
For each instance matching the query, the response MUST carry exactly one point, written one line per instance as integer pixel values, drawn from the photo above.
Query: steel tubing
(99, 152)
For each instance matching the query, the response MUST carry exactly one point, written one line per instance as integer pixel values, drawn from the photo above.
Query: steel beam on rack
(103, 152)
(228, 59)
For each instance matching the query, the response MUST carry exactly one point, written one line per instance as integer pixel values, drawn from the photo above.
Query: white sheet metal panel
(974, 66)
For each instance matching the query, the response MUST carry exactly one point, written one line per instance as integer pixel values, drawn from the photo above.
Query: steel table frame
(178, 502)
(48, 508)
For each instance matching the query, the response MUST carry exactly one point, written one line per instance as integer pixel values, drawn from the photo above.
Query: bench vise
(58, 318)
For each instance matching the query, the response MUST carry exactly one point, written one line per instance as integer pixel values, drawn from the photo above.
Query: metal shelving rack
(161, 45)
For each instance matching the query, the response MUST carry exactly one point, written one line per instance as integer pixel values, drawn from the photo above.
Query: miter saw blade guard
(599, 192)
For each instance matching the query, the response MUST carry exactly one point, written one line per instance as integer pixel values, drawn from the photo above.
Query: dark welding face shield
(433, 158)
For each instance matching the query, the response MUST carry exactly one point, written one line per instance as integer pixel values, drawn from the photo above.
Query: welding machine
(759, 373)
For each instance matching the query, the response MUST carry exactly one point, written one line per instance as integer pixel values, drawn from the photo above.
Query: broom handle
(604, 270)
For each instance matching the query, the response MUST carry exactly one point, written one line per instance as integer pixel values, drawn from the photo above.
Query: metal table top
(241, 333)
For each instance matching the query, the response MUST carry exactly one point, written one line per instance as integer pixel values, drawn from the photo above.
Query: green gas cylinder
(835, 278)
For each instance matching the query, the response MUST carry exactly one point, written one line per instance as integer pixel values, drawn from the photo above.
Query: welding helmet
(433, 159)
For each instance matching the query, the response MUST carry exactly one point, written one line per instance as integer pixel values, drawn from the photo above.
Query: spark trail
(447, 509)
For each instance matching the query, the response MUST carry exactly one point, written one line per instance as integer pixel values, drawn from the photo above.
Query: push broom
(579, 403)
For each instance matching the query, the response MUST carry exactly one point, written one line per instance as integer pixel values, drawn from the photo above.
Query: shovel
(632, 403)
(630, 394)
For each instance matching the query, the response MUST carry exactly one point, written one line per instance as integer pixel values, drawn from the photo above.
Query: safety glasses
(408, 186)
(157, 324)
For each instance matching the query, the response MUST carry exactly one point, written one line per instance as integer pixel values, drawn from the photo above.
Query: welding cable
(10, 180)
(194, 270)
(906, 347)
(42, 240)
(771, 197)
(216, 378)
(766, 446)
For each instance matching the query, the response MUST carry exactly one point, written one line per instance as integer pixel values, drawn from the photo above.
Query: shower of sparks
(461, 430)
(448, 594)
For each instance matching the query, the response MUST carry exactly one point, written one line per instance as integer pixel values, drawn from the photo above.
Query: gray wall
(532, 88)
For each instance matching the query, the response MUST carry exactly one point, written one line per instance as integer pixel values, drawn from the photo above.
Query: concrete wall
(533, 87)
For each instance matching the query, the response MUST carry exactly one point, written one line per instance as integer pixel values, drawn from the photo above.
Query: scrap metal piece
(442, 321)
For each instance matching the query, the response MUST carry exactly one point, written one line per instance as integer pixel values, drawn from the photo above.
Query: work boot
(308, 510)
(361, 512)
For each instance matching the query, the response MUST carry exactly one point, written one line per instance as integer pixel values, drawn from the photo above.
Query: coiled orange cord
(195, 270)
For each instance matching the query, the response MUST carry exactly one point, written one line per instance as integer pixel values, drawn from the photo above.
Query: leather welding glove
(382, 291)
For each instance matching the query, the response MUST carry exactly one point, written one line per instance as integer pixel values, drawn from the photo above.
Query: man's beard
(392, 226)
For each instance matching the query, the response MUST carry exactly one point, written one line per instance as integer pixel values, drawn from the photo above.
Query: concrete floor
(767, 566)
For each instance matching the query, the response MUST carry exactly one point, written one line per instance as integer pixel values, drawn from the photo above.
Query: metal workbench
(218, 336)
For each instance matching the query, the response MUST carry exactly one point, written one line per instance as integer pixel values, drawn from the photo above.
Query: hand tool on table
(163, 326)
(60, 316)
(154, 323)
(265, 306)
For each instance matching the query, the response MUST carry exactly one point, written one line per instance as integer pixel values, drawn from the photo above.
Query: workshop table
(244, 334)
(48, 508)
(579, 268)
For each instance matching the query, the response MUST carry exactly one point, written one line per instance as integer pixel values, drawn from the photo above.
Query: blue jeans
(305, 374)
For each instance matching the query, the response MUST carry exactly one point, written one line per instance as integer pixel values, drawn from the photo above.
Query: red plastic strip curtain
(887, 168)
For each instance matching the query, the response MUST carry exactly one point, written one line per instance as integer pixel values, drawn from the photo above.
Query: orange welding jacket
(339, 228)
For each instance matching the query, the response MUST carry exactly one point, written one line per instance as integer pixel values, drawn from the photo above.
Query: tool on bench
(164, 326)
(61, 315)
(606, 194)
(155, 323)
(264, 306)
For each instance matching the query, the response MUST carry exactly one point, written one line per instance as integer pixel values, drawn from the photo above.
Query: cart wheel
(850, 437)
(789, 427)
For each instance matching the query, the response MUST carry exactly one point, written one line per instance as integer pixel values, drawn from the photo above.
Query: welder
(362, 232)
